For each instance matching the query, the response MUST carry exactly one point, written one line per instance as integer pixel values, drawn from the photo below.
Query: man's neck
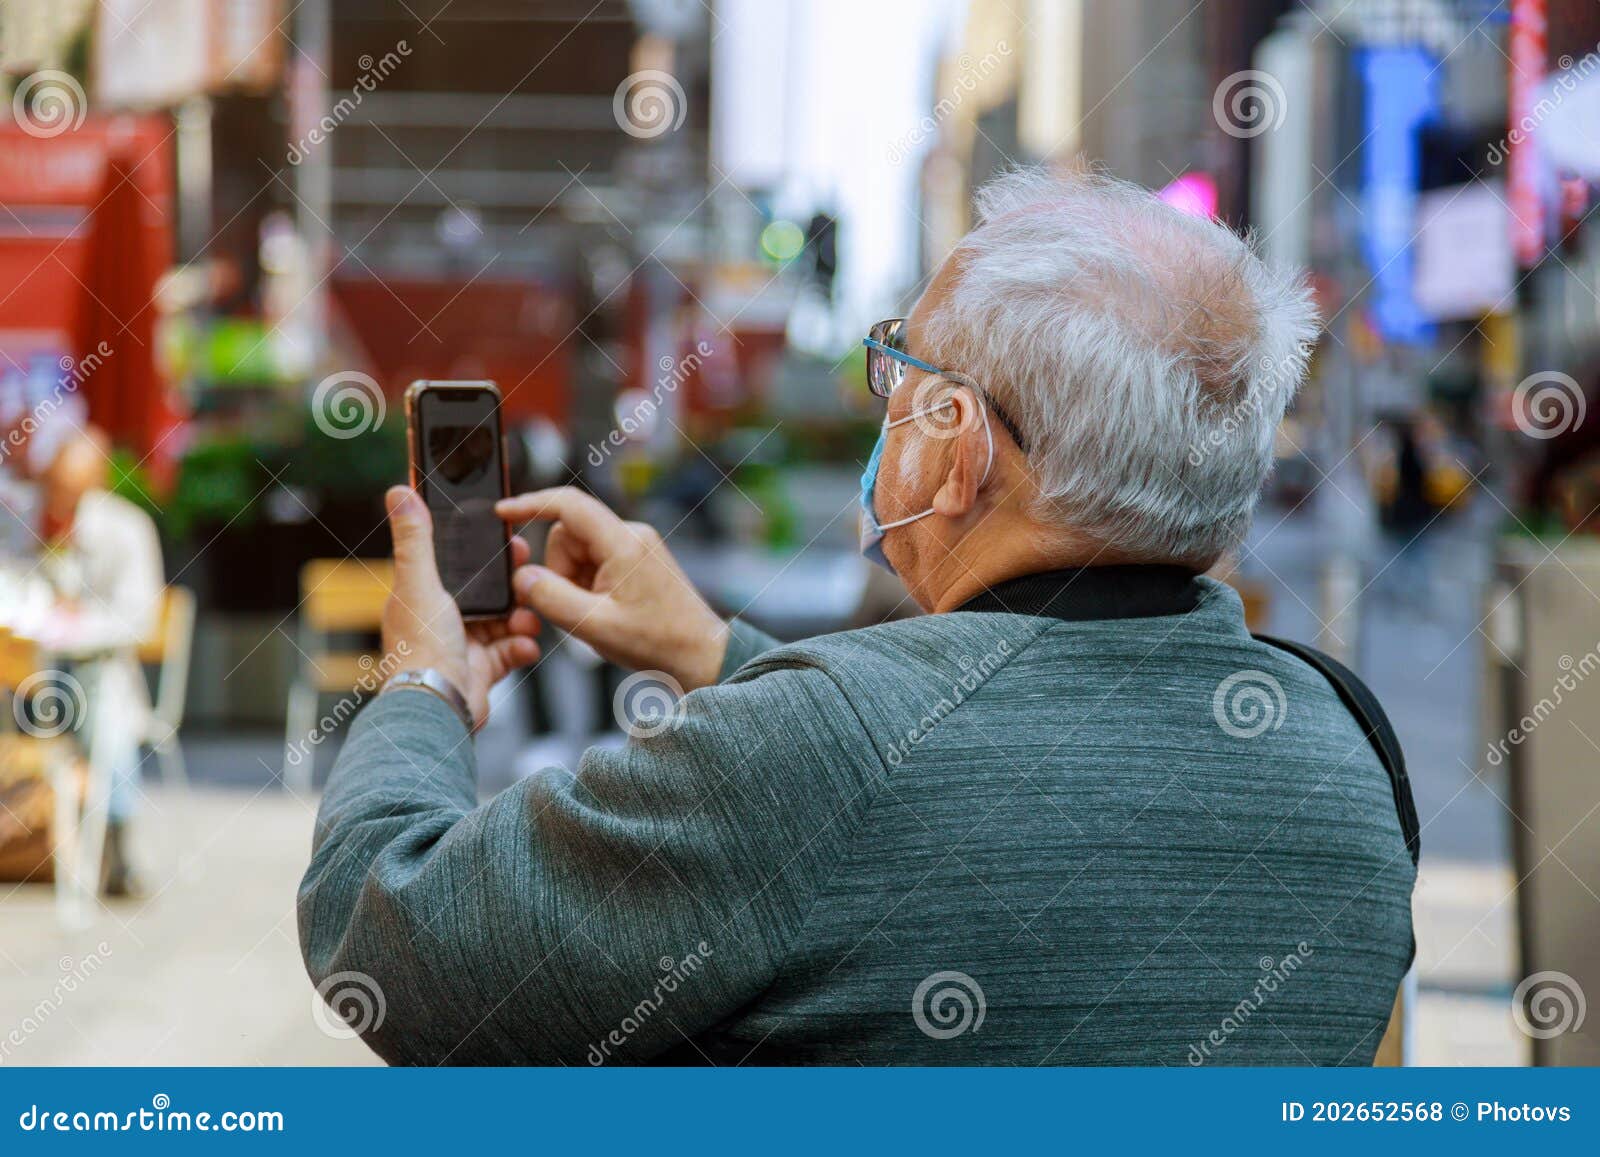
(995, 554)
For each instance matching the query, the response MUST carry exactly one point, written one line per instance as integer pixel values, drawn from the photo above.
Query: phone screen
(458, 452)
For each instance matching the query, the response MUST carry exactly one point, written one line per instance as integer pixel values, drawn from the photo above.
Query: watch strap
(431, 680)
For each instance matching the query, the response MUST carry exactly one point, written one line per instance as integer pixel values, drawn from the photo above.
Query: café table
(84, 653)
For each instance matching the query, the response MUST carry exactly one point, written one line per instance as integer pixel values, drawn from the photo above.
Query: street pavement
(204, 971)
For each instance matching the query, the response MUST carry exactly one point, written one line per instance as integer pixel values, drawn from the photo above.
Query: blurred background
(232, 231)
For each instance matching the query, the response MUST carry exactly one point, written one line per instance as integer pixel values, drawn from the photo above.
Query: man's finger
(488, 631)
(412, 530)
(512, 652)
(523, 621)
(589, 519)
(554, 598)
(565, 555)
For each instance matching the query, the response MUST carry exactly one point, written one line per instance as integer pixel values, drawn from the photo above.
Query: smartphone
(458, 466)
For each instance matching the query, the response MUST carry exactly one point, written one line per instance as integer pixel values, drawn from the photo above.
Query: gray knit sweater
(970, 838)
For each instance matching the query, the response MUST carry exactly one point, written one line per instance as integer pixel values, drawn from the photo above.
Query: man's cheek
(897, 479)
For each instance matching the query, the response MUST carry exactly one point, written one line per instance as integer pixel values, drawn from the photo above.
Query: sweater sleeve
(589, 918)
(744, 644)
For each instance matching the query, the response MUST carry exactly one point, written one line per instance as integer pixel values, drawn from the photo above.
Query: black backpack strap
(1363, 704)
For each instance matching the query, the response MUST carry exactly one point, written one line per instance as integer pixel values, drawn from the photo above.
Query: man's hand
(614, 585)
(422, 626)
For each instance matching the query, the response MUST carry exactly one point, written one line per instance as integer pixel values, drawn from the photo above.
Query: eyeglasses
(887, 361)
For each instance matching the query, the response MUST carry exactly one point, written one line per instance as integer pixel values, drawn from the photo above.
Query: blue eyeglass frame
(873, 343)
(900, 356)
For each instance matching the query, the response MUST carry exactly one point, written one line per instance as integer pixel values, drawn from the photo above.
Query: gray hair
(1148, 356)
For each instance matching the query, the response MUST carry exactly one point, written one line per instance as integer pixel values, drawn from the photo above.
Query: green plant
(220, 482)
(130, 480)
(344, 468)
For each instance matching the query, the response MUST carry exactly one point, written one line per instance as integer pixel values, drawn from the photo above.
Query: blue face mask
(870, 529)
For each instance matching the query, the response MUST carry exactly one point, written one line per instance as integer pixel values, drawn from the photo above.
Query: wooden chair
(1399, 1044)
(337, 597)
(53, 760)
(169, 649)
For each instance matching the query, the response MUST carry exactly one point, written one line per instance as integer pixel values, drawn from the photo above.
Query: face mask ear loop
(915, 414)
(988, 433)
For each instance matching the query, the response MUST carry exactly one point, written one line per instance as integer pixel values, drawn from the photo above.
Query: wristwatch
(430, 680)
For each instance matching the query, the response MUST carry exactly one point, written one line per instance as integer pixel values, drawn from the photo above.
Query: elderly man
(1075, 814)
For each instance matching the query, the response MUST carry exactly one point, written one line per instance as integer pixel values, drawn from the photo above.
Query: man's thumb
(557, 600)
(412, 530)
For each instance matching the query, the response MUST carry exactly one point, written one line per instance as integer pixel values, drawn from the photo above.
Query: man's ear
(967, 459)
